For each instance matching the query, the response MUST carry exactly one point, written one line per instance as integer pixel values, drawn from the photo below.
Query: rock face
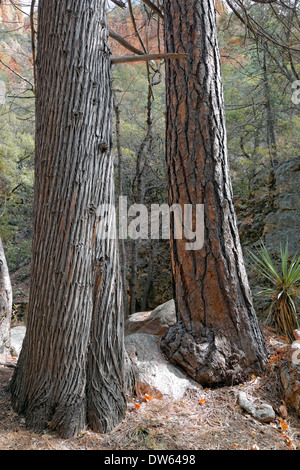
(284, 222)
(154, 376)
(156, 322)
(278, 220)
(272, 220)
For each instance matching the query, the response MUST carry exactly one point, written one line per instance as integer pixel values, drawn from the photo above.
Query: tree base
(210, 360)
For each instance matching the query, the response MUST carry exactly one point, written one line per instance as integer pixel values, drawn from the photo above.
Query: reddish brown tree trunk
(217, 339)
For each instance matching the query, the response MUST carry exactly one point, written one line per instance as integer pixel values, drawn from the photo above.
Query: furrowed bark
(217, 339)
(70, 370)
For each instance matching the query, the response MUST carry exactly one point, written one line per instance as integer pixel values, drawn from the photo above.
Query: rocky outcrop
(275, 219)
(156, 322)
(283, 223)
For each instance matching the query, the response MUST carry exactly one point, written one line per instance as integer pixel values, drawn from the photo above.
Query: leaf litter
(208, 419)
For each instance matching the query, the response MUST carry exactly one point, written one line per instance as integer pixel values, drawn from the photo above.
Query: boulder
(17, 335)
(156, 322)
(153, 374)
(263, 412)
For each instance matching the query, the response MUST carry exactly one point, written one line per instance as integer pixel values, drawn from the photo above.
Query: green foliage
(283, 288)
(16, 187)
(246, 95)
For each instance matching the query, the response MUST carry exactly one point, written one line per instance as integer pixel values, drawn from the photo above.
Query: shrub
(283, 289)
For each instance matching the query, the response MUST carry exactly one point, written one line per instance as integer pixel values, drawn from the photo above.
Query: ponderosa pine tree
(70, 370)
(217, 339)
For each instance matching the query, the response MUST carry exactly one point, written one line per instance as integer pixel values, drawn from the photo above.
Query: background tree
(70, 370)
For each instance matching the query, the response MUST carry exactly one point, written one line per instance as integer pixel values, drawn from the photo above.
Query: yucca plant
(283, 290)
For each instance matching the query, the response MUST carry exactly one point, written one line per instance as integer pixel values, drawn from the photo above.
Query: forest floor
(209, 419)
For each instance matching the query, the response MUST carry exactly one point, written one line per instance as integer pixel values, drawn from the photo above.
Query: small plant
(283, 290)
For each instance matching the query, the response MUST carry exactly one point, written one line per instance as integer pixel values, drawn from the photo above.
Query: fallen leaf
(284, 425)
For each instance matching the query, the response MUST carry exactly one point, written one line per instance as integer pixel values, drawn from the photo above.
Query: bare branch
(124, 43)
(119, 3)
(147, 58)
(17, 74)
(155, 8)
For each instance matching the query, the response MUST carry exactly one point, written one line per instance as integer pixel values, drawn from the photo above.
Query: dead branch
(155, 8)
(147, 58)
(119, 3)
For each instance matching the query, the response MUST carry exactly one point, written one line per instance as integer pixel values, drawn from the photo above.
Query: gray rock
(17, 335)
(154, 375)
(156, 322)
(284, 222)
(263, 412)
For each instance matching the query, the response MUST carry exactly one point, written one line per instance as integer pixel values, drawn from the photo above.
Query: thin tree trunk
(149, 279)
(5, 305)
(217, 339)
(141, 165)
(70, 370)
(271, 139)
(123, 256)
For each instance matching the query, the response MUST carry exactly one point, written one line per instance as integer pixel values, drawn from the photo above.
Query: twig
(119, 3)
(155, 8)
(17, 74)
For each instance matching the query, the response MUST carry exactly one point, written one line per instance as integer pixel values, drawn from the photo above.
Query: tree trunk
(217, 339)
(149, 278)
(122, 246)
(5, 305)
(139, 194)
(271, 139)
(70, 370)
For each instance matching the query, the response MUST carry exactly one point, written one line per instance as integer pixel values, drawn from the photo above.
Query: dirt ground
(203, 420)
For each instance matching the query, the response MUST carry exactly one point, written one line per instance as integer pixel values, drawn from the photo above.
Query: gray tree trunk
(5, 305)
(217, 339)
(70, 371)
